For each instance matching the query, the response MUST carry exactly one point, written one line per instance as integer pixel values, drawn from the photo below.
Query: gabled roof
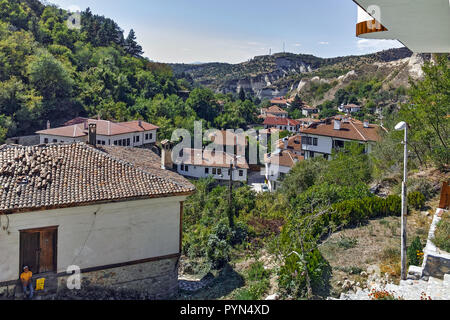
(207, 158)
(275, 110)
(351, 129)
(284, 158)
(70, 175)
(104, 128)
(293, 143)
(275, 121)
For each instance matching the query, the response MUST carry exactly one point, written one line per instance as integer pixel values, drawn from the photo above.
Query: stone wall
(157, 279)
(436, 262)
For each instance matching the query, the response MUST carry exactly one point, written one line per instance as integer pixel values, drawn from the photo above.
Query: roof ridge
(130, 165)
(353, 125)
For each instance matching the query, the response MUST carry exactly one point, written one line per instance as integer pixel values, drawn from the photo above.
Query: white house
(282, 124)
(110, 212)
(278, 165)
(308, 111)
(350, 108)
(197, 164)
(320, 139)
(127, 134)
(273, 111)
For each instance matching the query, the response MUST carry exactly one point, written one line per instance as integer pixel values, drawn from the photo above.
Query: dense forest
(49, 71)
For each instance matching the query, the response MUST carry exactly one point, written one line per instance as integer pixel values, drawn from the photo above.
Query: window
(120, 142)
(315, 141)
(46, 140)
(115, 142)
(55, 141)
(137, 138)
(241, 173)
(151, 136)
(186, 168)
(309, 141)
(206, 170)
(146, 136)
(214, 171)
(339, 144)
(219, 172)
(182, 167)
(128, 142)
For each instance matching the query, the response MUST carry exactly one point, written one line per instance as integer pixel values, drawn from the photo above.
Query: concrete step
(436, 289)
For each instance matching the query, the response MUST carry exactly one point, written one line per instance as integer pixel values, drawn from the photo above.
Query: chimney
(166, 155)
(92, 134)
(140, 123)
(366, 123)
(337, 124)
(48, 125)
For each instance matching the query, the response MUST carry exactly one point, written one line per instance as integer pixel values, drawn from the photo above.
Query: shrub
(416, 200)
(347, 243)
(255, 291)
(442, 234)
(292, 276)
(218, 246)
(257, 272)
(415, 252)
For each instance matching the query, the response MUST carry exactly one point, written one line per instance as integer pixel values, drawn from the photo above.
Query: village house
(309, 111)
(282, 102)
(229, 141)
(278, 165)
(273, 111)
(198, 164)
(350, 108)
(282, 124)
(128, 134)
(306, 122)
(110, 211)
(321, 139)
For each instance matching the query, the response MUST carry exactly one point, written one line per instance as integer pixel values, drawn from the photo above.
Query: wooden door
(38, 250)
(29, 251)
(47, 251)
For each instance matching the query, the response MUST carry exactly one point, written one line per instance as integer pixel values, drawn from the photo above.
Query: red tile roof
(350, 130)
(211, 159)
(285, 158)
(275, 110)
(274, 121)
(55, 176)
(104, 128)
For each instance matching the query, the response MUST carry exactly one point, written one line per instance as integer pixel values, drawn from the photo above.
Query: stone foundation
(159, 279)
(156, 280)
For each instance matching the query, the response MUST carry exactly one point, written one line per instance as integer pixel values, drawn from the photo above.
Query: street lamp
(399, 127)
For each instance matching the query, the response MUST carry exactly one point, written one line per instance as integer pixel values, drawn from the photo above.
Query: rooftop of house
(309, 108)
(274, 110)
(275, 121)
(293, 143)
(227, 138)
(350, 129)
(352, 106)
(283, 158)
(56, 176)
(208, 158)
(79, 128)
(281, 100)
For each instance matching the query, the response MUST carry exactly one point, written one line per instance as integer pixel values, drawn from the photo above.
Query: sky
(234, 31)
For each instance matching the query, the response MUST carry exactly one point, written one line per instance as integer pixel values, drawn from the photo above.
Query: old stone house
(111, 211)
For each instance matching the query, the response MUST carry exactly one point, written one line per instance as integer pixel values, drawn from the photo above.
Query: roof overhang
(421, 25)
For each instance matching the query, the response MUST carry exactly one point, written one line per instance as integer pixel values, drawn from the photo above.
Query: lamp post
(399, 127)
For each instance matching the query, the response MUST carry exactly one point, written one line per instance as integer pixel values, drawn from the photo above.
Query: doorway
(38, 249)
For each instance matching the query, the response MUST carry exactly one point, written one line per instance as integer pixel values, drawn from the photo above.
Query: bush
(218, 246)
(416, 200)
(292, 277)
(415, 252)
(257, 272)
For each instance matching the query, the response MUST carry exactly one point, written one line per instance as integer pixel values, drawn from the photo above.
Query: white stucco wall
(108, 139)
(117, 233)
(198, 172)
(324, 145)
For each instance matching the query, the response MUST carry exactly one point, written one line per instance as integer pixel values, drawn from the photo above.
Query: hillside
(51, 72)
(287, 73)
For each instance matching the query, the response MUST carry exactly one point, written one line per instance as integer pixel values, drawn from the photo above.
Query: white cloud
(324, 43)
(297, 45)
(377, 44)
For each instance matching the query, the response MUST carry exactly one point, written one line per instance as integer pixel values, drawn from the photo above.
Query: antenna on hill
(270, 51)
(284, 47)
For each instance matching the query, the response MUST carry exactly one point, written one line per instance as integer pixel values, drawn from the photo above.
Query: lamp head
(401, 126)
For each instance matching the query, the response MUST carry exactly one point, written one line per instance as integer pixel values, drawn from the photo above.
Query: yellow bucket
(40, 283)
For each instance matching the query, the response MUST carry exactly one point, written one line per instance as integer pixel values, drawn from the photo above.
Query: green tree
(131, 46)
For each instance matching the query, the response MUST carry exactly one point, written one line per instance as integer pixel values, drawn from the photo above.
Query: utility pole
(399, 127)
(230, 199)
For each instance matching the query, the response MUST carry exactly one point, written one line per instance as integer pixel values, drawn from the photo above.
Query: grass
(442, 234)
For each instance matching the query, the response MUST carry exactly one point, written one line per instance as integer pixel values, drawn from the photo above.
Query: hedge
(354, 212)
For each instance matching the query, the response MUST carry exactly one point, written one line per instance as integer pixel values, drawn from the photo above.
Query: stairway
(434, 288)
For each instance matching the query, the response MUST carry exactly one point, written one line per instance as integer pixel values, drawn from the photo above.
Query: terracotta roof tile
(350, 130)
(285, 158)
(280, 122)
(69, 175)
